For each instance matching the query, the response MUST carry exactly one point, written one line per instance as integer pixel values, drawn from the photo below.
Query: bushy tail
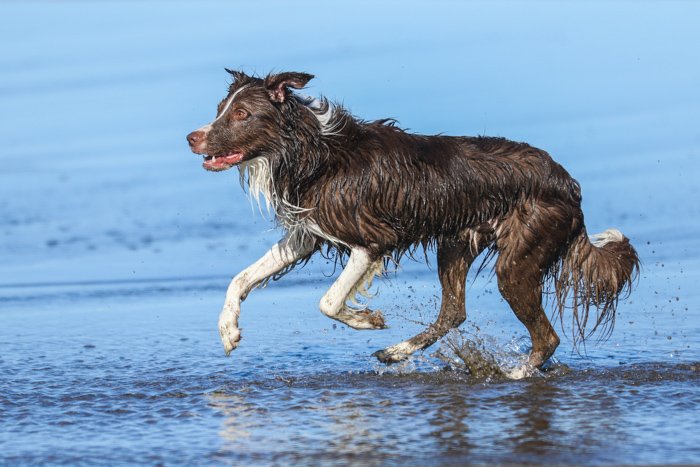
(597, 274)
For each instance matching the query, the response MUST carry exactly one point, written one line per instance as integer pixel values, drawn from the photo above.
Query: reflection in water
(437, 417)
(236, 411)
(450, 424)
(351, 424)
(534, 411)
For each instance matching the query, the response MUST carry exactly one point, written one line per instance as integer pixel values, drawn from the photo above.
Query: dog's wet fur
(370, 192)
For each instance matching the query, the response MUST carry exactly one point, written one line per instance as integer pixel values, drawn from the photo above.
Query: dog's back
(388, 189)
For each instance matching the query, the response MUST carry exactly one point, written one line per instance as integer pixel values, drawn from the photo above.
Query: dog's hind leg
(529, 243)
(454, 259)
(285, 253)
(357, 275)
(522, 289)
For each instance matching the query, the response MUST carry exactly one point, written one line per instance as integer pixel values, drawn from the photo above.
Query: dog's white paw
(394, 354)
(364, 319)
(230, 334)
(521, 372)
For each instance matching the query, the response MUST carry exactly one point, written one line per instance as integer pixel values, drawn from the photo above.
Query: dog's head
(249, 121)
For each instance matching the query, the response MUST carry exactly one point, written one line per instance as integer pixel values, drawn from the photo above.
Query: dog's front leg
(286, 252)
(356, 277)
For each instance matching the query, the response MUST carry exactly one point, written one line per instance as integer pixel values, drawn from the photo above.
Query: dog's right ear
(237, 75)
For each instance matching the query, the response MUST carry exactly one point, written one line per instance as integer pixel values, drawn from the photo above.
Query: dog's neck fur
(267, 194)
(276, 183)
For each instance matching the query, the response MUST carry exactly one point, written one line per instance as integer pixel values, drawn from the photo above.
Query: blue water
(116, 247)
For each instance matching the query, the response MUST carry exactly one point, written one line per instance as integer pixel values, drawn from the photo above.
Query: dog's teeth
(213, 159)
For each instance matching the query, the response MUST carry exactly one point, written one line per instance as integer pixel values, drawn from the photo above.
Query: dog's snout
(198, 141)
(196, 137)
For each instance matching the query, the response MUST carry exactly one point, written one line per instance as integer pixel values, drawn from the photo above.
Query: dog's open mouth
(218, 163)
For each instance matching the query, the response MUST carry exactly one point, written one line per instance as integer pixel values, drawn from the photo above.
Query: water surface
(116, 247)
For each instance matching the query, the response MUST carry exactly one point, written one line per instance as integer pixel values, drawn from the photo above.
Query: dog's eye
(240, 114)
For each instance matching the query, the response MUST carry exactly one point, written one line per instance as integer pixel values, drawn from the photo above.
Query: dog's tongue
(223, 162)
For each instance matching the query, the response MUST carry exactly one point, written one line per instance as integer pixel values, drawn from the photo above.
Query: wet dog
(371, 192)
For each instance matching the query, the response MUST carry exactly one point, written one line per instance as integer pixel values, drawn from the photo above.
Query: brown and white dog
(372, 192)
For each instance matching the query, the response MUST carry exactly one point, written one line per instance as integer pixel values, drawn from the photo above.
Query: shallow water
(116, 248)
(147, 382)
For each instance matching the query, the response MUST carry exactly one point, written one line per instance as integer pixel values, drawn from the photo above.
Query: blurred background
(116, 247)
(97, 98)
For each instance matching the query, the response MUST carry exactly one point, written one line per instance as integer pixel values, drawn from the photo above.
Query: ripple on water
(267, 413)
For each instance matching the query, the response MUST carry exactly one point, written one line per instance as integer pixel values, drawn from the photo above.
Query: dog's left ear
(277, 85)
(238, 76)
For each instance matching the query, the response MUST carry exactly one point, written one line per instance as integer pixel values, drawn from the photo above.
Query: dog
(370, 192)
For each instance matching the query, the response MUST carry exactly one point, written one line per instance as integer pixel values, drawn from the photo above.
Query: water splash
(485, 358)
(404, 367)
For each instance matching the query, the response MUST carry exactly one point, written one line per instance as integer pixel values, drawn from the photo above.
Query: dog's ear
(277, 85)
(238, 76)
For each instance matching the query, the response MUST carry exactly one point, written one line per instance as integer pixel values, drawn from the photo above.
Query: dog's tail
(595, 271)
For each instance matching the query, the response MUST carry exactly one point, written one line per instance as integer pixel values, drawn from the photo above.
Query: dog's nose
(195, 137)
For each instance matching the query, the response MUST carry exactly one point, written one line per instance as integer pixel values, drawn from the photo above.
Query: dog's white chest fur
(257, 175)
